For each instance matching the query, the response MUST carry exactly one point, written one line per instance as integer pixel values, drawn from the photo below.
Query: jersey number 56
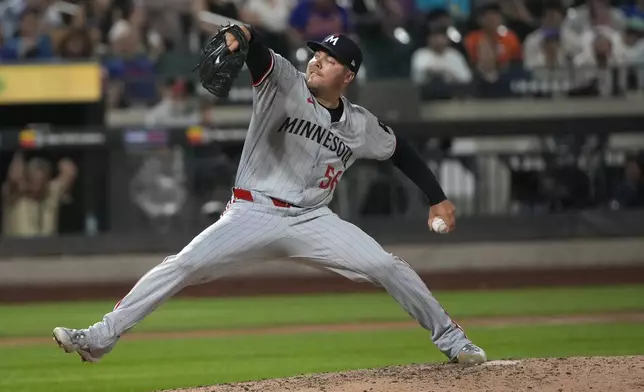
(331, 178)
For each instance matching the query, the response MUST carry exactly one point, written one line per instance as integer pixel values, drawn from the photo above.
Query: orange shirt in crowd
(508, 46)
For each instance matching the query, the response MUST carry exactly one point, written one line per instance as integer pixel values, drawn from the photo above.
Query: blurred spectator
(316, 19)
(10, 17)
(72, 19)
(101, 15)
(439, 61)
(493, 41)
(602, 46)
(151, 38)
(630, 193)
(159, 187)
(31, 198)
(565, 187)
(29, 43)
(519, 19)
(76, 44)
(492, 49)
(178, 107)
(408, 11)
(172, 20)
(12, 10)
(594, 13)
(430, 5)
(635, 11)
(271, 19)
(380, 26)
(206, 111)
(603, 51)
(76, 18)
(1, 43)
(130, 68)
(132, 17)
(439, 18)
(221, 7)
(551, 23)
(634, 41)
(459, 9)
(548, 63)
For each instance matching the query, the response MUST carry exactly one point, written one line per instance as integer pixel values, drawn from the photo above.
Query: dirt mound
(585, 374)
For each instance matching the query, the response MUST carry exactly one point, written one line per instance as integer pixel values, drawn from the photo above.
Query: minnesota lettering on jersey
(319, 135)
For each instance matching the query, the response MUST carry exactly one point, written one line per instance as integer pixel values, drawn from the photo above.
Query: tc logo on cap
(332, 39)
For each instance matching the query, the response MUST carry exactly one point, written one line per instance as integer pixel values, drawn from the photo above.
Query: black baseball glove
(218, 66)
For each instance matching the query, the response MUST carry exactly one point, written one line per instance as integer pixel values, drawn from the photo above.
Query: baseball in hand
(439, 225)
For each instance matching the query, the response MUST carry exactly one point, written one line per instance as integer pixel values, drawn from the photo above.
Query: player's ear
(349, 76)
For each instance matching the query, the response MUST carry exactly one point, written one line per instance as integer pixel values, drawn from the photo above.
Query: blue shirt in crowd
(137, 74)
(315, 25)
(43, 49)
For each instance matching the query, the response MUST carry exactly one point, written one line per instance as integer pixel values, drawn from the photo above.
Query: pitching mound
(543, 375)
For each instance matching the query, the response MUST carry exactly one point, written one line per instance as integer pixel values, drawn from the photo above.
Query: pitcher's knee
(169, 259)
(174, 261)
(384, 267)
(180, 262)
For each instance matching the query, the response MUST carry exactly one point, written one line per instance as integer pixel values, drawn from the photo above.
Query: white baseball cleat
(471, 354)
(75, 340)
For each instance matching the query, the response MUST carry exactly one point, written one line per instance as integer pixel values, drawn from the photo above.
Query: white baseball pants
(250, 232)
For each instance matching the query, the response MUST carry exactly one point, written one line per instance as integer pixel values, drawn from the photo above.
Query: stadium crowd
(449, 48)
(440, 44)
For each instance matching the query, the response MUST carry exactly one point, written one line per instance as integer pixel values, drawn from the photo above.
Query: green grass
(194, 314)
(148, 365)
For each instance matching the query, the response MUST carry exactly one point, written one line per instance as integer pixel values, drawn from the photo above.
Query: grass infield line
(498, 321)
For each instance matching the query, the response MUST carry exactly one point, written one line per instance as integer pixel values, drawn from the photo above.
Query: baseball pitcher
(303, 135)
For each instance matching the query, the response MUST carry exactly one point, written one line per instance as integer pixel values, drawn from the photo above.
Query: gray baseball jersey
(293, 152)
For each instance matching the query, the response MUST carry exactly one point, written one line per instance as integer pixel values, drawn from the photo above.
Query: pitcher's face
(324, 72)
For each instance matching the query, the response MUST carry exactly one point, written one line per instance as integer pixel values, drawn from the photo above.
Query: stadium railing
(512, 177)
